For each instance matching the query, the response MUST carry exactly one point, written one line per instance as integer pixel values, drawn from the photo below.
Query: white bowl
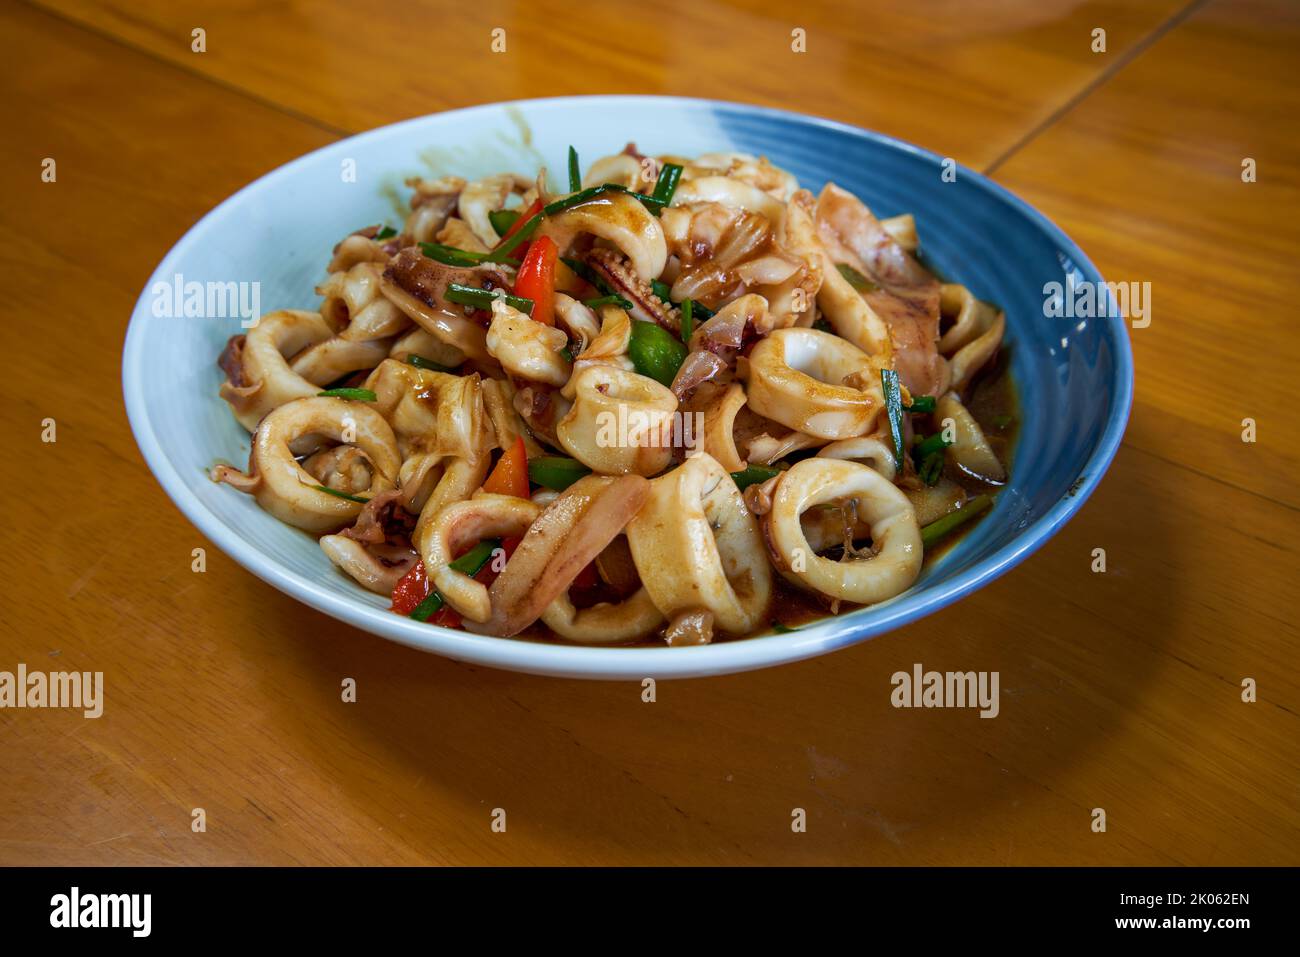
(279, 231)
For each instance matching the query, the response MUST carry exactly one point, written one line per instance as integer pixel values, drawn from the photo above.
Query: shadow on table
(716, 770)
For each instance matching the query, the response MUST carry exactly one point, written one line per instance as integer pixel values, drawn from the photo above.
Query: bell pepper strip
(412, 589)
(654, 351)
(556, 471)
(536, 279)
(510, 474)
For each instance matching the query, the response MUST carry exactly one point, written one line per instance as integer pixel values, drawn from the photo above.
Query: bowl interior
(1073, 375)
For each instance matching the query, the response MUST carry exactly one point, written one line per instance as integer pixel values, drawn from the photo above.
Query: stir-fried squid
(683, 400)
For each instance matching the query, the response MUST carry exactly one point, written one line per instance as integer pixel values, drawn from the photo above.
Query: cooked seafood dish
(682, 401)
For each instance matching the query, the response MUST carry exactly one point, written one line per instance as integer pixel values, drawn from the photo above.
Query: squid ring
(796, 376)
(895, 536)
(866, 449)
(264, 380)
(602, 624)
(697, 547)
(283, 488)
(486, 515)
(620, 422)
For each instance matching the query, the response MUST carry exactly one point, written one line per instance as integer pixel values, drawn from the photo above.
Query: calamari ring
(264, 380)
(867, 450)
(795, 378)
(283, 488)
(467, 523)
(895, 535)
(619, 219)
(604, 624)
(697, 546)
(620, 423)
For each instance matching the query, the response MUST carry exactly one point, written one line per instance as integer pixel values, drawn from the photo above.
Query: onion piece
(697, 368)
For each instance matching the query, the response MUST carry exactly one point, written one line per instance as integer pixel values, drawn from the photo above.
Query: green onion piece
(502, 220)
(575, 173)
(661, 289)
(359, 395)
(483, 298)
(555, 471)
(753, 475)
(420, 362)
(927, 447)
(858, 281)
(781, 629)
(666, 185)
(560, 205)
(931, 468)
(688, 319)
(386, 232)
(337, 494)
(613, 299)
(451, 256)
(821, 325)
(894, 409)
(921, 404)
(941, 527)
(655, 352)
(471, 563)
(567, 353)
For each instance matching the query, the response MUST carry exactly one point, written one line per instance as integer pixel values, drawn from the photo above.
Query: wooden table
(1121, 691)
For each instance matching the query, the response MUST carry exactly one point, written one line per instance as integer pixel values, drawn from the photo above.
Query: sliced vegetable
(894, 409)
(781, 629)
(420, 362)
(655, 352)
(821, 325)
(451, 256)
(575, 171)
(483, 298)
(517, 233)
(614, 299)
(536, 280)
(921, 404)
(359, 395)
(688, 320)
(927, 447)
(954, 519)
(386, 232)
(661, 289)
(471, 563)
(411, 589)
(754, 474)
(510, 474)
(502, 220)
(858, 281)
(556, 471)
(666, 185)
(533, 216)
(337, 494)
(931, 468)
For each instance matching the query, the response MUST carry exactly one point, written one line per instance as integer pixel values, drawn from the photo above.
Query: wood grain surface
(1120, 691)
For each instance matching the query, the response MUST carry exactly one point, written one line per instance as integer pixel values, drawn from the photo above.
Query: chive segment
(386, 232)
(954, 519)
(921, 404)
(483, 298)
(661, 289)
(927, 447)
(688, 319)
(858, 281)
(471, 563)
(931, 468)
(337, 494)
(666, 185)
(560, 205)
(358, 395)
(555, 471)
(502, 220)
(575, 172)
(894, 409)
(420, 362)
(754, 474)
(613, 299)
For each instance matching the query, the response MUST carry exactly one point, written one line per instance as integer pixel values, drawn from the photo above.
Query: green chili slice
(655, 352)
(555, 471)
(502, 220)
